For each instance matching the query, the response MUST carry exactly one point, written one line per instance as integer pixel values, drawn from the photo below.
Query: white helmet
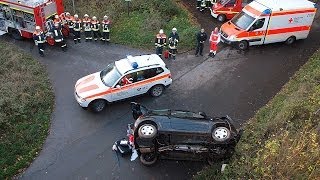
(76, 16)
(174, 29)
(105, 17)
(161, 31)
(56, 16)
(38, 28)
(94, 18)
(67, 14)
(86, 15)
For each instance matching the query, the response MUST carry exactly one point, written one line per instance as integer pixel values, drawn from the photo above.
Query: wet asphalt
(234, 83)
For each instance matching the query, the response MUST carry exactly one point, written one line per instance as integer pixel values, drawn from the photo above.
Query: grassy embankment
(26, 103)
(144, 21)
(282, 140)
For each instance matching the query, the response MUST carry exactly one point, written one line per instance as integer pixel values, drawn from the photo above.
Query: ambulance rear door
(258, 30)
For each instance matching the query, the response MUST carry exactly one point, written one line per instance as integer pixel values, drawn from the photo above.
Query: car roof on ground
(126, 64)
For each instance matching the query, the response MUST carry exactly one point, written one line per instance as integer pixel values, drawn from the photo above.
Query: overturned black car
(182, 135)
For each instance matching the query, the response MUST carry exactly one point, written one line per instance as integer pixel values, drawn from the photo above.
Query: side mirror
(202, 114)
(251, 28)
(118, 86)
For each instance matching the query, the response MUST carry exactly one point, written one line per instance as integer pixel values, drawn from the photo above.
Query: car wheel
(290, 40)
(221, 134)
(147, 131)
(243, 45)
(98, 105)
(148, 159)
(221, 17)
(156, 90)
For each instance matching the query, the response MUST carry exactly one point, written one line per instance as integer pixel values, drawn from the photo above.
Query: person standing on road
(201, 38)
(199, 4)
(173, 43)
(87, 27)
(39, 40)
(208, 3)
(214, 41)
(95, 26)
(160, 42)
(105, 29)
(57, 20)
(69, 22)
(77, 29)
(58, 37)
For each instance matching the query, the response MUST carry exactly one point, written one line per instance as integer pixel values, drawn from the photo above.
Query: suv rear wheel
(147, 131)
(148, 159)
(221, 134)
(156, 90)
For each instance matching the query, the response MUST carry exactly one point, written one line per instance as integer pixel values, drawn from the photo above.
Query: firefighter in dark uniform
(160, 42)
(208, 3)
(76, 29)
(87, 27)
(39, 40)
(201, 38)
(106, 29)
(173, 43)
(58, 37)
(95, 26)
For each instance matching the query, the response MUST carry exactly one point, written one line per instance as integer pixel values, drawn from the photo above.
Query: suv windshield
(110, 75)
(242, 20)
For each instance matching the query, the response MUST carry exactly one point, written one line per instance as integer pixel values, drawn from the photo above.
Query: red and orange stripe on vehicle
(128, 86)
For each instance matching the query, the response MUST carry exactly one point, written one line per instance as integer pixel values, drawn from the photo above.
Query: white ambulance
(269, 21)
(123, 79)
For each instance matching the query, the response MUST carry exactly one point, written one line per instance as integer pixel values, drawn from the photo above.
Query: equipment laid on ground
(269, 21)
(227, 9)
(20, 17)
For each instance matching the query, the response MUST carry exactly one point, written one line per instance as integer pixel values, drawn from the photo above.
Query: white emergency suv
(123, 79)
(269, 21)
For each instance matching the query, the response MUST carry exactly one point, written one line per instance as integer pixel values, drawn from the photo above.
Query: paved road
(234, 83)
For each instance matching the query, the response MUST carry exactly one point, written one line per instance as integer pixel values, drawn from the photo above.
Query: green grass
(144, 22)
(26, 103)
(282, 140)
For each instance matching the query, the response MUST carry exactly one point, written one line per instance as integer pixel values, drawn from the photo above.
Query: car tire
(221, 134)
(221, 18)
(98, 105)
(156, 90)
(290, 40)
(147, 131)
(148, 159)
(243, 45)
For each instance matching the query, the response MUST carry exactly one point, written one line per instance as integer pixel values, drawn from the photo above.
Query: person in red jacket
(214, 40)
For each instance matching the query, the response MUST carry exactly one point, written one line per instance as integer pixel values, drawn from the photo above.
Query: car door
(258, 30)
(136, 87)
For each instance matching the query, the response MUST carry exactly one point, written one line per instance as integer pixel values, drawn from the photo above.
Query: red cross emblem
(290, 20)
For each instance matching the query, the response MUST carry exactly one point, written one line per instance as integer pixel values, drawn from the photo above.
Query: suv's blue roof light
(267, 11)
(134, 65)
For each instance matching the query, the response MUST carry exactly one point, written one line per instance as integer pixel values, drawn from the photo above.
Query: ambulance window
(258, 24)
(242, 20)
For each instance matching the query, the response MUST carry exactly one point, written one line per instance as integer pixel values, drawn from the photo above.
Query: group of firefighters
(161, 42)
(73, 25)
(91, 27)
